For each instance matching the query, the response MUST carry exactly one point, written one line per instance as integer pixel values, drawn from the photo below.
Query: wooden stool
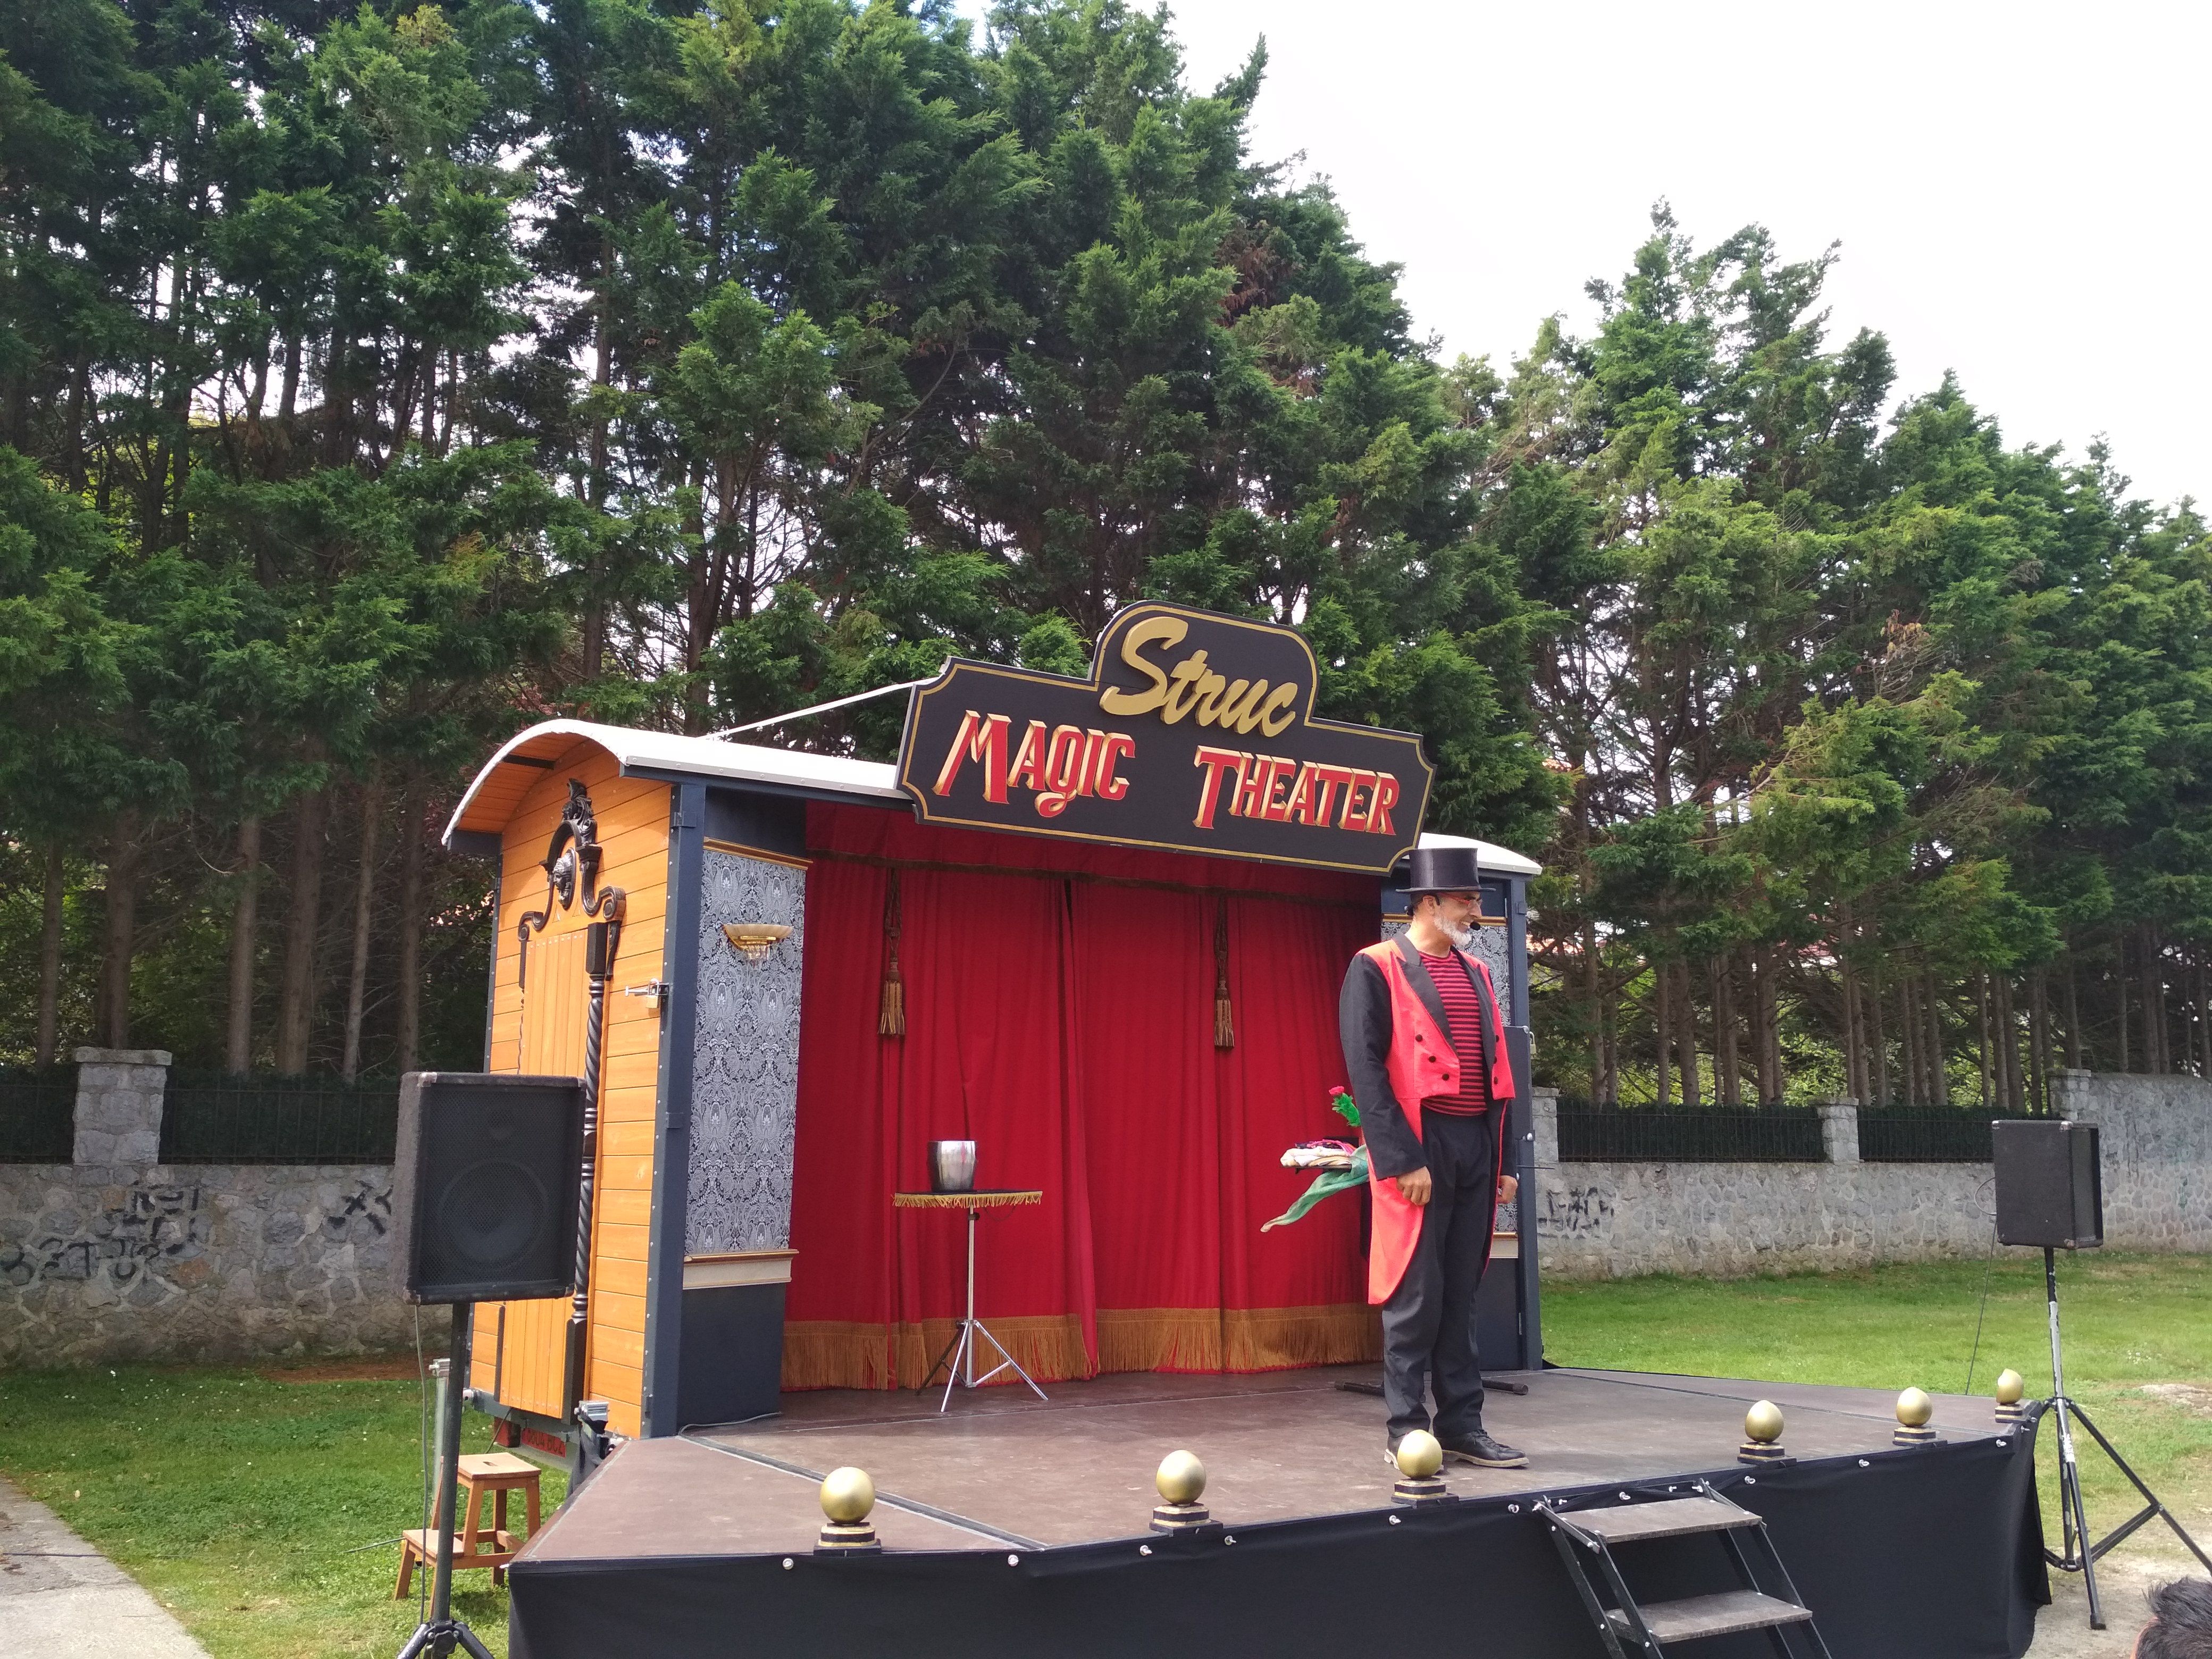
(497, 1473)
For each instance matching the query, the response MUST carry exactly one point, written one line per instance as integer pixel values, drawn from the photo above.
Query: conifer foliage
(377, 378)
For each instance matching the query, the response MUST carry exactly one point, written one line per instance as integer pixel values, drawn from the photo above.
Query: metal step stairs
(1586, 1539)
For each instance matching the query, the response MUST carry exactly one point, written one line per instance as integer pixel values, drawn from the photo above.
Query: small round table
(960, 1352)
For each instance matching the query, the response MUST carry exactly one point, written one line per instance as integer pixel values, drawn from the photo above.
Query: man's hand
(1416, 1187)
(1508, 1188)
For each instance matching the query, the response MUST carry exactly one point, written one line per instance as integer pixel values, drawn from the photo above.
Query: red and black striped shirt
(1454, 983)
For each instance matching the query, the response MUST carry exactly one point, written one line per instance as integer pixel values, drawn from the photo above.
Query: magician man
(1424, 1046)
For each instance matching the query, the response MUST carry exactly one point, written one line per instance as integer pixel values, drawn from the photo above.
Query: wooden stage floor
(1002, 1468)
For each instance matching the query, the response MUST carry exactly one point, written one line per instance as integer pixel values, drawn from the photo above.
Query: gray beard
(1462, 938)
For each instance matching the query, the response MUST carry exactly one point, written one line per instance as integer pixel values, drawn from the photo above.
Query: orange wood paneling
(617, 1346)
(618, 1311)
(621, 1206)
(627, 1242)
(540, 1027)
(636, 1070)
(625, 1138)
(622, 1278)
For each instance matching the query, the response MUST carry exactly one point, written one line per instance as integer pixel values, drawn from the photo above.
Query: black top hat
(1442, 870)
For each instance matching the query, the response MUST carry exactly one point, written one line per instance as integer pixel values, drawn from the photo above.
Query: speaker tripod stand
(2079, 1555)
(439, 1633)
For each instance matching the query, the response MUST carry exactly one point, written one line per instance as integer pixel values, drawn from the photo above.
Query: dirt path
(62, 1599)
(2124, 1579)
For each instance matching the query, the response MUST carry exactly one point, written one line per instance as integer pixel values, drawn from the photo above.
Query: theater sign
(1195, 732)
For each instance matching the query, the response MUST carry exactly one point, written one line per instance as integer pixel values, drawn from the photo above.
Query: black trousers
(1428, 1323)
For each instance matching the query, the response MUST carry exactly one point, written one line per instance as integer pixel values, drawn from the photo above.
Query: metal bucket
(952, 1166)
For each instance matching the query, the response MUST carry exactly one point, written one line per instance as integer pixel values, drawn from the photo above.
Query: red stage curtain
(1297, 1295)
(1063, 1018)
(875, 1290)
(1149, 1087)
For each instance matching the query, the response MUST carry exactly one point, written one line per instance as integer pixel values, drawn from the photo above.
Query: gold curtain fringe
(1159, 1340)
(1281, 1339)
(1236, 1339)
(845, 1354)
(1225, 1029)
(891, 1022)
(835, 1354)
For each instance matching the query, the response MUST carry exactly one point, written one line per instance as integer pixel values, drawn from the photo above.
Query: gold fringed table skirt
(997, 1199)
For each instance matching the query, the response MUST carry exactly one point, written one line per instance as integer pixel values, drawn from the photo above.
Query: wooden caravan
(809, 967)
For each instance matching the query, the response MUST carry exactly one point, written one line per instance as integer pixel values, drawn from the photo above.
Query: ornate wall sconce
(573, 857)
(755, 939)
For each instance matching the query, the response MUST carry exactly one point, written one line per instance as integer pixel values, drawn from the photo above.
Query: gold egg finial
(2011, 1387)
(1420, 1455)
(848, 1495)
(1181, 1478)
(1914, 1409)
(1762, 1435)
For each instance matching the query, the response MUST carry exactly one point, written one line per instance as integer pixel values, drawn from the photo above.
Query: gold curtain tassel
(1224, 1025)
(892, 1021)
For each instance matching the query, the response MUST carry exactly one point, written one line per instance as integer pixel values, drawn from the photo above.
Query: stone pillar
(1544, 1124)
(2072, 1097)
(1839, 1130)
(118, 1106)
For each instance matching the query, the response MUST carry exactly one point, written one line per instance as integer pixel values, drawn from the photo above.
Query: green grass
(2129, 1320)
(266, 1514)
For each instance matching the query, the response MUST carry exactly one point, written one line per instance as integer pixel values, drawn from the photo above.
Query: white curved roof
(1488, 855)
(507, 775)
(485, 805)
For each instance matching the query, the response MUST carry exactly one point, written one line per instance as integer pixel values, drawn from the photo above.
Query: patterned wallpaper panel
(745, 1086)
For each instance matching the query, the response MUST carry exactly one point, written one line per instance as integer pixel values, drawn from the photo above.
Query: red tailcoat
(1419, 1061)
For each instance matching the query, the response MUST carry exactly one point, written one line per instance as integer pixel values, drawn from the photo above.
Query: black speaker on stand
(2051, 1195)
(486, 1196)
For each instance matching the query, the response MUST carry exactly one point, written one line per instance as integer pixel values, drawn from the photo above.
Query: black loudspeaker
(2049, 1192)
(485, 1192)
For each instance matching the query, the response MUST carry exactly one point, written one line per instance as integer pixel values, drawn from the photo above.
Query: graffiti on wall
(364, 1212)
(1576, 1212)
(151, 1225)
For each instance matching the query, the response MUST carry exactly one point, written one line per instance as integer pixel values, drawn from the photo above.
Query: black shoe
(1481, 1450)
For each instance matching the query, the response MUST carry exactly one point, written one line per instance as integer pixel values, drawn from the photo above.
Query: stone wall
(1614, 1220)
(1610, 1220)
(195, 1262)
(116, 1256)
(2155, 1138)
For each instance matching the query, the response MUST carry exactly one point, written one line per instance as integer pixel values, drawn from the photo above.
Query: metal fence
(38, 1114)
(1591, 1131)
(218, 1118)
(1926, 1134)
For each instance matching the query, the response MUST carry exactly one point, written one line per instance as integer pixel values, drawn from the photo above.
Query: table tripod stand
(959, 1355)
(2079, 1554)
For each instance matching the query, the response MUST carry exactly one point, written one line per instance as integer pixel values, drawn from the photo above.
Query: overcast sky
(2019, 190)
